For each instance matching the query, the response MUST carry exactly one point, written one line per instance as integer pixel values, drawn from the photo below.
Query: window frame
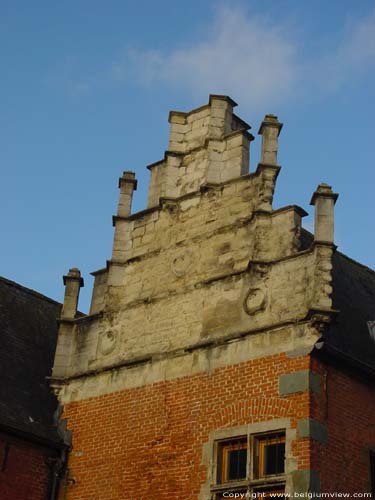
(223, 457)
(258, 447)
(252, 482)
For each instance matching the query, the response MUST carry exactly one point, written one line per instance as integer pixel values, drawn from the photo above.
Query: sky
(86, 87)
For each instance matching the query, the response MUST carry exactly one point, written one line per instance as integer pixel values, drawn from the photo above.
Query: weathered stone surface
(305, 481)
(305, 380)
(313, 429)
(209, 260)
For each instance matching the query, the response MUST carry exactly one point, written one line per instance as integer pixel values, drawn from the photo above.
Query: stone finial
(127, 184)
(73, 282)
(324, 200)
(269, 130)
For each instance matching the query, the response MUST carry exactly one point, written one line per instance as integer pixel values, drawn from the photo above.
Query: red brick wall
(147, 442)
(25, 475)
(348, 410)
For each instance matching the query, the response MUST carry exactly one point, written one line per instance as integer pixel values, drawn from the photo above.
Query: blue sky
(86, 87)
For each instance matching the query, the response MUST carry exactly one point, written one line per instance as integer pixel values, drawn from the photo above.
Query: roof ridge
(29, 290)
(364, 266)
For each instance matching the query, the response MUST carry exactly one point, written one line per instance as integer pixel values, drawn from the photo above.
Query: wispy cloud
(69, 76)
(244, 56)
(254, 59)
(354, 55)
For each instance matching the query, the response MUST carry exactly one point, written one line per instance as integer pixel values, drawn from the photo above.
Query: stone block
(175, 137)
(180, 128)
(177, 118)
(305, 380)
(305, 481)
(177, 146)
(310, 428)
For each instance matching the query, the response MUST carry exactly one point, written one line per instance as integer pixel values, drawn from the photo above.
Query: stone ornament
(257, 297)
(267, 187)
(108, 341)
(256, 300)
(181, 263)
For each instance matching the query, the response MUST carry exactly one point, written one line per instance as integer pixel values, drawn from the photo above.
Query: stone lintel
(311, 428)
(304, 380)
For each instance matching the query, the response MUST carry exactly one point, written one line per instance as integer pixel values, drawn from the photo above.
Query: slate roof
(28, 335)
(354, 297)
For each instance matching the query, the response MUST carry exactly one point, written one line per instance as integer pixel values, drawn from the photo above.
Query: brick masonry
(347, 410)
(150, 440)
(24, 473)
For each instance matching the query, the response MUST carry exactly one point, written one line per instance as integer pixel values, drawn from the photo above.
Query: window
(250, 464)
(270, 455)
(232, 458)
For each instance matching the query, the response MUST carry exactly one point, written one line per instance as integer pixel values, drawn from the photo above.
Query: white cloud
(352, 57)
(244, 56)
(253, 59)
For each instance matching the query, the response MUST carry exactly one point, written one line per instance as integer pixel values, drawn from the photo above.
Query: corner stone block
(305, 481)
(301, 381)
(312, 429)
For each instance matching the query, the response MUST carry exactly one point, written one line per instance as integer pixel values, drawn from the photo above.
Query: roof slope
(28, 335)
(354, 296)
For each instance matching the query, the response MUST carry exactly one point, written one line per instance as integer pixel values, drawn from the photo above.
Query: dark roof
(354, 296)
(28, 335)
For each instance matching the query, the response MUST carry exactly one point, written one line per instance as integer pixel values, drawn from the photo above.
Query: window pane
(237, 464)
(232, 460)
(269, 455)
(274, 458)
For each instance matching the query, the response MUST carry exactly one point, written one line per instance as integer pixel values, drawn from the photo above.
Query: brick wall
(24, 474)
(347, 408)
(147, 442)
